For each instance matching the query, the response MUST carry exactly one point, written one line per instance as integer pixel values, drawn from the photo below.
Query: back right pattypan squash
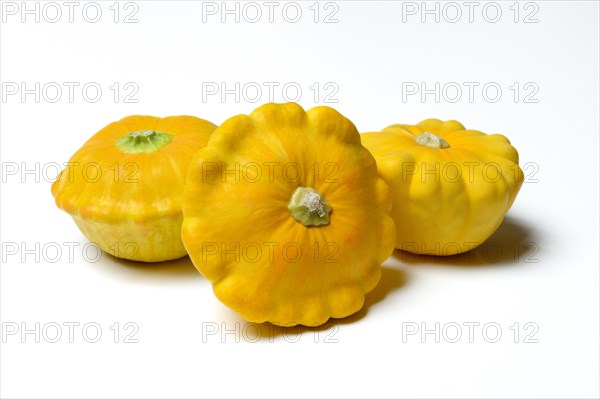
(451, 186)
(284, 213)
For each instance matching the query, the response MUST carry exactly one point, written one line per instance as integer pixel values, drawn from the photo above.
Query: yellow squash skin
(446, 200)
(130, 203)
(228, 216)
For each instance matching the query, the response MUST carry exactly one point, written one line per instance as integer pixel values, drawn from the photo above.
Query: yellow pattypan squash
(451, 186)
(284, 213)
(123, 188)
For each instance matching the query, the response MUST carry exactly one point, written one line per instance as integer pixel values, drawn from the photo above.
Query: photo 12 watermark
(64, 251)
(469, 172)
(253, 252)
(48, 172)
(489, 252)
(253, 12)
(53, 332)
(69, 92)
(470, 92)
(452, 12)
(254, 172)
(245, 332)
(261, 92)
(55, 12)
(490, 332)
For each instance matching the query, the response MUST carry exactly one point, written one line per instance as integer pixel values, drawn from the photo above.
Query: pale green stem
(309, 207)
(431, 140)
(143, 141)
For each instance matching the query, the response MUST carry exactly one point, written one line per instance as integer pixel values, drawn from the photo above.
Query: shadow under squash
(178, 268)
(513, 243)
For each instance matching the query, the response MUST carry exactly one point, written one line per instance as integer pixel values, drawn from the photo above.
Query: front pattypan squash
(123, 188)
(284, 213)
(452, 187)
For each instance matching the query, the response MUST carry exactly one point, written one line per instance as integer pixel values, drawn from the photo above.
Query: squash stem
(309, 208)
(431, 140)
(143, 141)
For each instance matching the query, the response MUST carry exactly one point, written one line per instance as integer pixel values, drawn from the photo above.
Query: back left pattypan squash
(123, 187)
(284, 213)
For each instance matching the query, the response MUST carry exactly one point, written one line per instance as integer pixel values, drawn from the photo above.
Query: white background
(546, 273)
